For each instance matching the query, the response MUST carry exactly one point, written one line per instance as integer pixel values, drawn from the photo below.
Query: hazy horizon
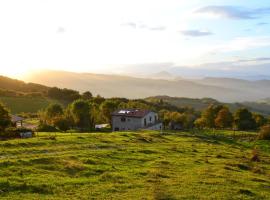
(184, 38)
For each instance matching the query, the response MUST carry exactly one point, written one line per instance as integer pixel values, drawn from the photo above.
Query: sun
(14, 72)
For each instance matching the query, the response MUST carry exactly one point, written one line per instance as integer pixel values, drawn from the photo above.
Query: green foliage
(107, 108)
(243, 120)
(62, 124)
(87, 95)
(264, 133)
(80, 113)
(46, 128)
(66, 95)
(13, 132)
(260, 120)
(51, 114)
(5, 119)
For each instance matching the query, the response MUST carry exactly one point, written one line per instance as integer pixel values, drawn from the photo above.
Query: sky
(134, 36)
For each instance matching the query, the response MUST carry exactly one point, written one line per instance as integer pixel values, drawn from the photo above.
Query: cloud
(262, 24)
(157, 28)
(129, 24)
(196, 33)
(241, 44)
(61, 30)
(143, 26)
(234, 12)
(255, 59)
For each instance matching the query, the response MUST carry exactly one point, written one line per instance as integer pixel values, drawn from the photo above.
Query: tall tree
(209, 115)
(51, 113)
(224, 118)
(107, 108)
(5, 119)
(260, 120)
(243, 120)
(80, 112)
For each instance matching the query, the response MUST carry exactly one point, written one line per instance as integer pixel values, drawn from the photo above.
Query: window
(150, 118)
(144, 121)
(116, 129)
(123, 119)
(155, 118)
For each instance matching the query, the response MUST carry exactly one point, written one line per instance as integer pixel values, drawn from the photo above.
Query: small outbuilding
(16, 120)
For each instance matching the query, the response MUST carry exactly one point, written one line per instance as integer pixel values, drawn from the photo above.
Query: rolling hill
(201, 104)
(225, 90)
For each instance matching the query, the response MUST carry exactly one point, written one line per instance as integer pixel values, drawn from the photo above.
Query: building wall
(120, 123)
(157, 126)
(150, 118)
(130, 123)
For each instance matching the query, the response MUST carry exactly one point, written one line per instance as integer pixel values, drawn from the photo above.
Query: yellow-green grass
(135, 165)
(25, 104)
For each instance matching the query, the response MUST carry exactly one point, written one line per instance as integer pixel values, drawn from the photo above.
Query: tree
(243, 120)
(87, 95)
(62, 124)
(264, 133)
(5, 119)
(164, 116)
(107, 108)
(80, 112)
(188, 120)
(259, 120)
(224, 118)
(65, 94)
(209, 115)
(200, 123)
(52, 112)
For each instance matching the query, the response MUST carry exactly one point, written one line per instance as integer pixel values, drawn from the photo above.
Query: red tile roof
(131, 113)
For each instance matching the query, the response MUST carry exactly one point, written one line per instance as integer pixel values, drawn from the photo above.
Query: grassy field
(25, 104)
(135, 165)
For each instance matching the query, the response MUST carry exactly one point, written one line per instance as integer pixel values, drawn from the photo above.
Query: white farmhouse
(135, 119)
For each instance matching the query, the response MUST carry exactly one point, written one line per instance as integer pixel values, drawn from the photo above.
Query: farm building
(135, 119)
(16, 120)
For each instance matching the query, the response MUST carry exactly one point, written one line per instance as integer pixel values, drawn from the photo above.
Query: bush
(13, 132)
(46, 128)
(264, 133)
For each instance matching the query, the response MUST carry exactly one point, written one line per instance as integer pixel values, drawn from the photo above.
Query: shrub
(264, 133)
(13, 132)
(46, 128)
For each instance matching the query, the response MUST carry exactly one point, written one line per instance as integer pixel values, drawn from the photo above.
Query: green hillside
(201, 104)
(135, 165)
(25, 104)
(20, 86)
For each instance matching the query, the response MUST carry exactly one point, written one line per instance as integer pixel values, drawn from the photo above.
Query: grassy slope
(133, 166)
(25, 104)
(201, 104)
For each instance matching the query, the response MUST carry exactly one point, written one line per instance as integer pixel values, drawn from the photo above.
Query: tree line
(83, 111)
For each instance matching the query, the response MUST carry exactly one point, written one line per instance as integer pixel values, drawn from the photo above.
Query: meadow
(136, 165)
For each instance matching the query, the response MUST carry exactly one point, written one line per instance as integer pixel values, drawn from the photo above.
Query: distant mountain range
(222, 89)
(10, 87)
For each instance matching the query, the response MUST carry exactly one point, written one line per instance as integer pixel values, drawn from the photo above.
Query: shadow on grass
(8, 186)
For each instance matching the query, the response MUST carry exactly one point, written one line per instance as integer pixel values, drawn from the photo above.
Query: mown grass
(135, 165)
